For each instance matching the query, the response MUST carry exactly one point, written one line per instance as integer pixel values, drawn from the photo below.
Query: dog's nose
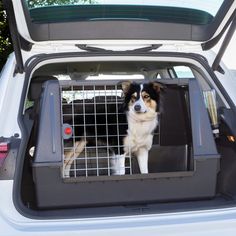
(137, 107)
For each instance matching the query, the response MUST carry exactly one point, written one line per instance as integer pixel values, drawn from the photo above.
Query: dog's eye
(146, 96)
(133, 97)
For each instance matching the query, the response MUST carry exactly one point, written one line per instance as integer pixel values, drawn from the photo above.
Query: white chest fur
(140, 131)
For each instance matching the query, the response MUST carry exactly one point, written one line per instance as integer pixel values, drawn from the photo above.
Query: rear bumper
(212, 222)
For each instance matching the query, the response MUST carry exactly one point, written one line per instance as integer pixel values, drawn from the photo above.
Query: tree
(5, 40)
(43, 3)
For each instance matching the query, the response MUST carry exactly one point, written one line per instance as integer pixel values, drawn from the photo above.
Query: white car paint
(207, 222)
(13, 223)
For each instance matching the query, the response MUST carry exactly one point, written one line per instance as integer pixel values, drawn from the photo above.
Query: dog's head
(141, 98)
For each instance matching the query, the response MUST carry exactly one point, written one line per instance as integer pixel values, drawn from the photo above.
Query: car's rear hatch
(68, 25)
(199, 21)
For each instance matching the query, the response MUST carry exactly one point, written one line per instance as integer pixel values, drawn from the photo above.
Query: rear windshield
(182, 11)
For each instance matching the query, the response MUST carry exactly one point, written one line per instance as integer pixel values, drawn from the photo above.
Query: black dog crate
(183, 161)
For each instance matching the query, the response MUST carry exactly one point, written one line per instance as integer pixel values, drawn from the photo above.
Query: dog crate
(183, 161)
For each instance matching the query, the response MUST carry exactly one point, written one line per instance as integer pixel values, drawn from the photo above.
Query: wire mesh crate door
(95, 147)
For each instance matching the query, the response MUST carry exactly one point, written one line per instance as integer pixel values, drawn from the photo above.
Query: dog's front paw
(66, 172)
(117, 164)
(142, 156)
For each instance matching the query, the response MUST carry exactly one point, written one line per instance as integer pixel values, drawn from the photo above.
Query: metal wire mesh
(95, 115)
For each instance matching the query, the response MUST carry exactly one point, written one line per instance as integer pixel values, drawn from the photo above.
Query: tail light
(4, 149)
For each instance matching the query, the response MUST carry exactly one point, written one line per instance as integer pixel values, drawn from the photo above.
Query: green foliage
(42, 3)
(5, 42)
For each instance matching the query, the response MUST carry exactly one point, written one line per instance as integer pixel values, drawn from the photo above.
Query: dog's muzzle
(139, 107)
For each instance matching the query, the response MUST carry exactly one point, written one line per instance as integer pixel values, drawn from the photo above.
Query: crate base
(54, 192)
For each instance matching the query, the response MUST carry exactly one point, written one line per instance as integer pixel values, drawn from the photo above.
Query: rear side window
(183, 72)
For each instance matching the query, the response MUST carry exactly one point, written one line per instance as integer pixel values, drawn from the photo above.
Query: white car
(69, 55)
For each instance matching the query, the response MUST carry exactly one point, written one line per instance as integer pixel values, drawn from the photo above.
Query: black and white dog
(141, 105)
(139, 112)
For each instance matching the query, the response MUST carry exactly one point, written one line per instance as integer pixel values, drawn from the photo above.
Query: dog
(136, 121)
(141, 106)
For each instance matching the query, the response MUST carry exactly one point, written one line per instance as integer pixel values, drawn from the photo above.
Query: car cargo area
(188, 162)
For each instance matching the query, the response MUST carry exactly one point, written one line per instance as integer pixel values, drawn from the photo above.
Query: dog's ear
(125, 86)
(157, 86)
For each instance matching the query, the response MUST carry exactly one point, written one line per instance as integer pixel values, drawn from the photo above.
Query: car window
(183, 72)
(194, 12)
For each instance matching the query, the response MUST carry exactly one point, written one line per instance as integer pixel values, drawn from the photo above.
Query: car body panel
(206, 222)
